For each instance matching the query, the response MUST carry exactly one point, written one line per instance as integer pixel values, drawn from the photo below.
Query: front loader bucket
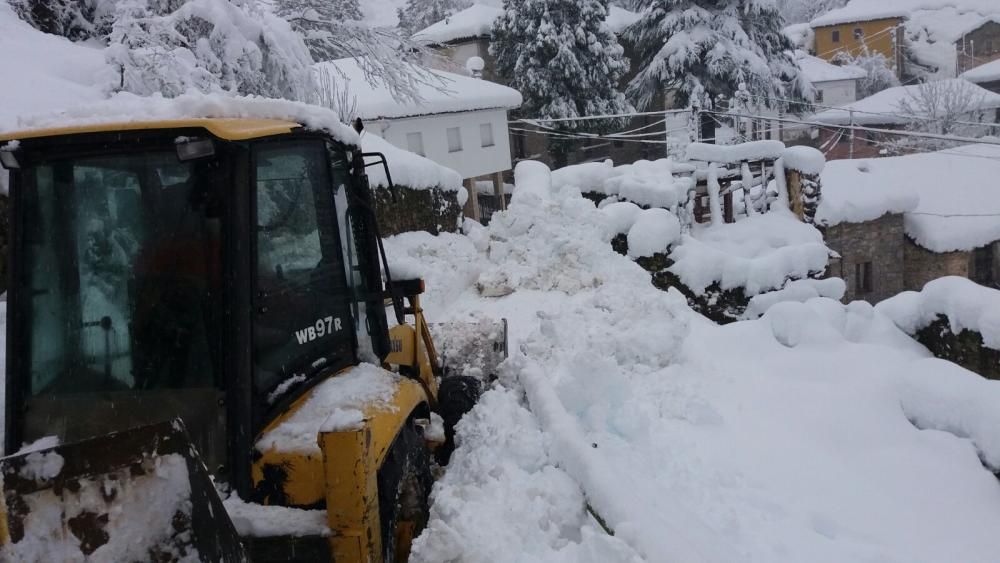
(139, 495)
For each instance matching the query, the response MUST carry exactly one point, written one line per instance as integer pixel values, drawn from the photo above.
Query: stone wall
(922, 265)
(434, 211)
(965, 348)
(880, 242)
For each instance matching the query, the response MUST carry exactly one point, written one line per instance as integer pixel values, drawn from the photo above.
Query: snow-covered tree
(420, 14)
(712, 46)
(563, 60)
(172, 46)
(75, 19)
(802, 11)
(879, 74)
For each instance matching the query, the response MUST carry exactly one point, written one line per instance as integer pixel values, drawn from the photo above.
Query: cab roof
(230, 129)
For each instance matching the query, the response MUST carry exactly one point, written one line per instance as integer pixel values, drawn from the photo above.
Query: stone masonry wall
(880, 242)
(922, 265)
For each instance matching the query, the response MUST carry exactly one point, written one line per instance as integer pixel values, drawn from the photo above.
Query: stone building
(901, 222)
(978, 46)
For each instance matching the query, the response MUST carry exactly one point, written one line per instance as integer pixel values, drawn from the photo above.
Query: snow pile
(474, 21)
(735, 154)
(886, 107)
(806, 160)
(758, 254)
(949, 197)
(989, 72)
(796, 290)
(620, 216)
(655, 230)
(966, 304)
(365, 385)
(445, 93)
(410, 169)
(260, 521)
(647, 183)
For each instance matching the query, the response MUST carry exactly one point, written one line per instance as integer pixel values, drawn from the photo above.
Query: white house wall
(473, 160)
(837, 93)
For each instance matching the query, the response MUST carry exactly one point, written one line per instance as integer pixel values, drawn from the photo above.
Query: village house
(900, 222)
(986, 76)
(860, 28)
(898, 108)
(978, 46)
(460, 122)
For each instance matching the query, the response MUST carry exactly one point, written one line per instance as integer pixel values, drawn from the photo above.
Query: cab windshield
(122, 274)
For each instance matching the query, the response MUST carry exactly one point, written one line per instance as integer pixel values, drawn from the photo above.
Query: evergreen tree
(420, 14)
(563, 60)
(707, 48)
(74, 19)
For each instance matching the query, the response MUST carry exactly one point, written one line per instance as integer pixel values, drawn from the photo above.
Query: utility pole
(851, 155)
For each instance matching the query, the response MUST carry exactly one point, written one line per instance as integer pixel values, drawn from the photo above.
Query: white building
(460, 122)
(835, 85)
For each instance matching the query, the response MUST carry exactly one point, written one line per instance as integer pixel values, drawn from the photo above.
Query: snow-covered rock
(966, 304)
(655, 231)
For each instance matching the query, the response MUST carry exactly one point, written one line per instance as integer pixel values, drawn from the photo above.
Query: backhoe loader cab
(217, 271)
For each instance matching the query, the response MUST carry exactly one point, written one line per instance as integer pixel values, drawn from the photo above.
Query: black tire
(404, 487)
(457, 394)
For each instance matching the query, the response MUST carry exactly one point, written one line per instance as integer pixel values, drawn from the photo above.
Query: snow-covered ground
(787, 438)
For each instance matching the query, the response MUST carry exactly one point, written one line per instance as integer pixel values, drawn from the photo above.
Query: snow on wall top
(734, 154)
(477, 21)
(456, 93)
(806, 160)
(949, 198)
(410, 169)
(817, 70)
(968, 306)
(883, 108)
(988, 72)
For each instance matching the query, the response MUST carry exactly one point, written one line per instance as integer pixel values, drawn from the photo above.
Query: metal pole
(852, 136)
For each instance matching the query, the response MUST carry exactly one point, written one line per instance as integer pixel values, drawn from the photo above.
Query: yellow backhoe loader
(199, 306)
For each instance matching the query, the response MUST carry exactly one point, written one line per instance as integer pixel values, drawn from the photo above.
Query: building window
(858, 33)
(486, 134)
(454, 139)
(835, 36)
(415, 143)
(870, 138)
(863, 278)
(819, 96)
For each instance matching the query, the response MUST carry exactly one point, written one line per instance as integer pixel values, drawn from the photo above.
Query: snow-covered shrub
(416, 15)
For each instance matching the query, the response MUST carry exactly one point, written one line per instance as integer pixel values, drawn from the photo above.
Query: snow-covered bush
(416, 15)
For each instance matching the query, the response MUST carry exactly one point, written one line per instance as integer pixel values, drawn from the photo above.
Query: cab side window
(301, 298)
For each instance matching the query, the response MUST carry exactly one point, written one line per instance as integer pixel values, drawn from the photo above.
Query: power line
(537, 120)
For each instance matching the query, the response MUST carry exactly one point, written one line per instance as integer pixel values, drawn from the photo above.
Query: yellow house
(882, 34)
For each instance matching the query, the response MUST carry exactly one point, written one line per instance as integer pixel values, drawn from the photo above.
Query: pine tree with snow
(707, 48)
(563, 59)
(74, 19)
(420, 14)
(804, 11)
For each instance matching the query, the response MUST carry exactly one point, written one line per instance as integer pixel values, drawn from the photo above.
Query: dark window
(871, 138)
(302, 320)
(819, 96)
(983, 267)
(858, 33)
(123, 274)
(835, 36)
(863, 282)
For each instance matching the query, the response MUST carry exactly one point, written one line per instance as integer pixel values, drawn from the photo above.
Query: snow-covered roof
(477, 21)
(454, 93)
(950, 198)
(989, 72)
(883, 108)
(817, 70)
(932, 26)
